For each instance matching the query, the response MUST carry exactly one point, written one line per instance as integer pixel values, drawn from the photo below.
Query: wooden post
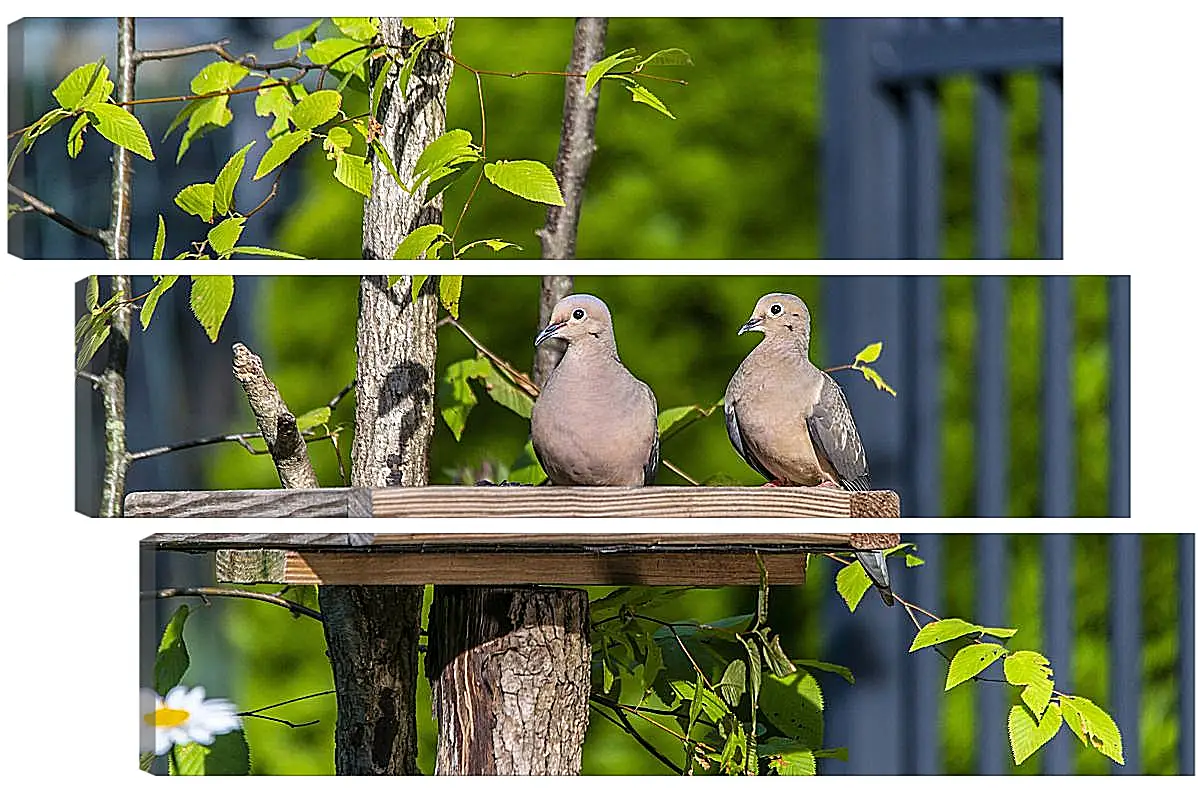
(372, 631)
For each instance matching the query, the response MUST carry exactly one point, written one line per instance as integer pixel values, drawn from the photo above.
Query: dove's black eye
(775, 309)
(579, 313)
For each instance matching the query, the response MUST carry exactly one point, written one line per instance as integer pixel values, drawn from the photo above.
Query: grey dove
(789, 419)
(594, 423)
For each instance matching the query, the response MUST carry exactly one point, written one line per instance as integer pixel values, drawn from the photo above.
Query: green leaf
(1000, 633)
(316, 109)
(788, 757)
(218, 76)
(381, 152)
(601, 68)
(83, 86)
(310, 419)
(944, 630)
(507, 395)
(353, 171)
(494, 244)
(336, 140)
(417, 282)
(912, 560)
(280, 150)
(405, 73)
(75, 137)
(1093, 726)
(868, 354)
(426, 26)
(207, 115)
(227, 179)
(275, 101)
(229, 754)
(449, 288)
(159, 238)
(331, 51)
(971, 660)
(163, 283)
(455, 397)
(795, 706)
(121, 128)
(92, 330)
(198, 199)
(670, 57)
(642, 95)
(252, 250)
(293, 38)
(416, 242)
(172, 659)
(452, 148)
(531, 180)
(211, 297)
(871, 374)
(852, 583)
(360, 29)
(732, 684)
(1028, 734)
(92, 293)
(224, 236)
(839, 753)
(674, 416)
(526, 469)
(825, 666)
(703, 701)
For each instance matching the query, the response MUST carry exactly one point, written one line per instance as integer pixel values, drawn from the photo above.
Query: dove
(789, 419)
(594, 423)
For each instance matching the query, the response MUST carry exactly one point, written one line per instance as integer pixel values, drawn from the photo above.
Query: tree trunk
(373, 631)
(510, 671)
(510, 667)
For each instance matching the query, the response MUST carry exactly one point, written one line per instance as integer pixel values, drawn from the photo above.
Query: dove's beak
(549, 332)
(752, 325)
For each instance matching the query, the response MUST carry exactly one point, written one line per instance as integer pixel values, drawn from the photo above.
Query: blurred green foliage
(736, 176)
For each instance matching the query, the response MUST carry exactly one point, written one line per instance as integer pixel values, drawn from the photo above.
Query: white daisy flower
(184, 716)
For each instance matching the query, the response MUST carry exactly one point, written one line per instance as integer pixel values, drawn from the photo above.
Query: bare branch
(275, 420)
(46, 210)
(240, 438)
(91, 378)
(577, 145)
(204, 592)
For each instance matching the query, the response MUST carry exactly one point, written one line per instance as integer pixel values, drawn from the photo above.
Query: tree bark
(372, 631)
(510, 680)
(510, 667)
(112, 392)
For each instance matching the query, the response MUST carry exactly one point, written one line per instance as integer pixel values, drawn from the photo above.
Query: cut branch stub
(283, 439)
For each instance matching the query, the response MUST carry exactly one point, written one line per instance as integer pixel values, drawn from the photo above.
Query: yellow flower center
(167, 717)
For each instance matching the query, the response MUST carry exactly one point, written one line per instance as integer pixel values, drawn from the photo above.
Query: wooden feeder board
(625, 557)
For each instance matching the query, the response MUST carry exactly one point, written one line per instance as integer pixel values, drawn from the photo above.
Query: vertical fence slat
(990, 167)
(1058, 635)
(990, 578)
(1185, 665)
(922, 755)
(1126, 646)
(1052, 141)
(922, 135)
(991, 396)
(1056, 433)
(924, 437)
(1119, 414)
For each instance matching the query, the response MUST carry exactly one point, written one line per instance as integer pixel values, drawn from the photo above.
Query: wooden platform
(601, 559)
(518, 501)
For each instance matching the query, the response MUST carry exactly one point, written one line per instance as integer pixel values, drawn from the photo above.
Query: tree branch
(46, 210)
(240, 438)
(112, 392)
(283, 439)
(121, 212)
(204, 592)
(577, 145)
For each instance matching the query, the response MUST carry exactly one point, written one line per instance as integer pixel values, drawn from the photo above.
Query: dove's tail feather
(874, 563)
